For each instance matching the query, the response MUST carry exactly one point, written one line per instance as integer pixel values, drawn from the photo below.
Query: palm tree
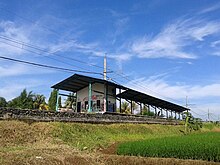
(70, 101)
(39, 101)
(125, 107)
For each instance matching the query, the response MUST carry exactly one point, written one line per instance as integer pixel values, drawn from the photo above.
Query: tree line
(30, 100)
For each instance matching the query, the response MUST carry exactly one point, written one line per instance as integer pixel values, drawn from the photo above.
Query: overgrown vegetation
(60, 143)
(91, 136)
(205, 146)
(191, 123)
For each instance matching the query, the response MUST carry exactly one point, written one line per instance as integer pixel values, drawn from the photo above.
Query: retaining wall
(108, 118)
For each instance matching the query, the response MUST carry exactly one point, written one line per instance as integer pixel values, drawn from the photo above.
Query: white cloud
(199, 95)
(210, 8)
(10, 33)
(160, 87)
(12, 70)
(11, 89)
(174, 38)
(215, 43)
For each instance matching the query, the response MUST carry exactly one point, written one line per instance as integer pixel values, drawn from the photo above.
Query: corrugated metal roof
(77, 82)
(136, 96)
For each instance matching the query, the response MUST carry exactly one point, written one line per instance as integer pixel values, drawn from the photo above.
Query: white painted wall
(97, 94)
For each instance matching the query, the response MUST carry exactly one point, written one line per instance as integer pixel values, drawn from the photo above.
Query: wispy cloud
(210, 8)
(161, 88)
(9, 90)
(13, 70)
(9, 29)
(174, 38)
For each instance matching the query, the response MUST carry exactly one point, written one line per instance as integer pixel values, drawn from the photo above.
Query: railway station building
(98, 95)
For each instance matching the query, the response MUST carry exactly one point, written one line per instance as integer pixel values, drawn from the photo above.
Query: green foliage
(191, 123)
(52, 100)
(70, 101)
(96, 136)
(3, 102)
(39, 101)
(147, 112)
(205, 146)
(59, 102)
(23, 101)
(125, 107)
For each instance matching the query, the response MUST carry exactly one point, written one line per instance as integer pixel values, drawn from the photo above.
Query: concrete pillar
(90, 98)
(155, 109)
(140, 109)
(57, 106)
(120, 102)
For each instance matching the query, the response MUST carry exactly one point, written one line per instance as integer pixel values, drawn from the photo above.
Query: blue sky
(169, 49)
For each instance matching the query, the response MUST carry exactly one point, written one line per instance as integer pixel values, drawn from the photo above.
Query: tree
(125, 107)
(59, 102)
(52, 100)
(23, 101)
(146, 111)
(191, 123)
(3, 102)
(70, 101)
(39, 101)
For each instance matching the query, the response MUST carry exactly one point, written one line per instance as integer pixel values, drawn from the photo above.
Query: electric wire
(47, 66)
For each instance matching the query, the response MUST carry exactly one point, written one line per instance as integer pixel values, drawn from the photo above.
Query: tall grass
(92, 136)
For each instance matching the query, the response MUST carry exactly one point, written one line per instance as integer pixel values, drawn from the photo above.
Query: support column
(155, 109)
(120, 101)
(106, 97)
(175, 114)
(140, 108)
(131, 108)
(167, 114)
(148, 107)
(57, 105)
(171, 114)
(90, 98)
(179, 115)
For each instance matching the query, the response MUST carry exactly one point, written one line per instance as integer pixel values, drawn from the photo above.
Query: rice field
(202, 146)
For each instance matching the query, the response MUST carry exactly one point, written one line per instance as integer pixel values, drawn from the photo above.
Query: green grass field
(202, 146)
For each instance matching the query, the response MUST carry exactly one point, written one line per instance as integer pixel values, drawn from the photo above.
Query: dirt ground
(64, 155)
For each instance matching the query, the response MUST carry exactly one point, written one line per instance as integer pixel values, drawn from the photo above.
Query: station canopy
(77, 82)
(136, 96)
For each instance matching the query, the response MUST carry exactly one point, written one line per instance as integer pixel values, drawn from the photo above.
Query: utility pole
(208, 116)
(105, 86)
(187, 103)
(105, 66)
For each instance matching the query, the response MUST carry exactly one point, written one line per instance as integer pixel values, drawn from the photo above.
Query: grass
(91, 136)
(62, 143)
(204, 146)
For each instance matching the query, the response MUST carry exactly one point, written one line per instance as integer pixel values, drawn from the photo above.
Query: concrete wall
(97, 95)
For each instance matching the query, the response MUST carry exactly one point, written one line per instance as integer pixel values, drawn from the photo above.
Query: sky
(169, 49)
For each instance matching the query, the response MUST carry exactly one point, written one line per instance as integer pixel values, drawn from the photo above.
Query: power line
(44, 51)
(88, 71)
(143, 87)
(47, 66)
